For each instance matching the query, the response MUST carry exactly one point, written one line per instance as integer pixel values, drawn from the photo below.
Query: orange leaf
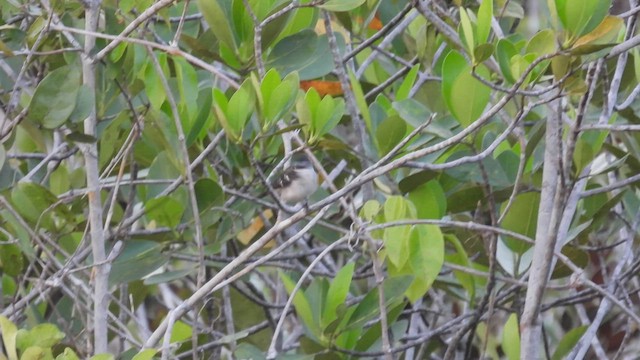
(323, 87)
(246, 235)
(603, 33)
(375, 23)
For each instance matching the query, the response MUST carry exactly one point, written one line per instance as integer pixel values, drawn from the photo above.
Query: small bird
(297, 182)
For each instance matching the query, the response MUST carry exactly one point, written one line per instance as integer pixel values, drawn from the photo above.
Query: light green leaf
(485, 14)
(341, 5)
(465, 96)
(467, 30)
(568, 342)
(396, 208)
(407, 83)
(55, 97)
(301, 304)
(69, 354)
(282, 99)
(329, 114)
(337, 294)
(241, 106)
(511, 338)
(505, 50)
(396, 243)
(180, 332)
(42, 335)
(9, 333)
(361, 101)
(370, 209)
(165, 210)
(426, 251)
(542, 43)
(32, 200)
(579, 17)
(146, 354)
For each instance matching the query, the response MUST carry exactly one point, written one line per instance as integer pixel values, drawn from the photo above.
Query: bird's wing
(284, 180)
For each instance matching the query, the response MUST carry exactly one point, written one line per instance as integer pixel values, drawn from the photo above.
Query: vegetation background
(480, 164)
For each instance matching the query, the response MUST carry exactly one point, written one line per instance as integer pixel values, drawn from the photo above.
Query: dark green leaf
(138, 259)
(165, 210)
(55, 97)
(389, 133)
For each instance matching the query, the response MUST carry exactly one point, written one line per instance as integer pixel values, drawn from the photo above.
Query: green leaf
(69, 354)
(11, 260)
(154, 88)
(241, 106)
(522, 218)
(55, 97)
(138, 259)
(285, 97)
(305, 52)
(217, 13)
(505, 50)
(511, 338)
(485, 14)
(393, 289)
(426, 251)
(361, 101)
(579, 17)
(9, 333)
(407, 83)
(396, 243)
(465, 96)
(370, 209)
(412, 111)
(84, 104)
(337, 294)
(460, 257)
(481, 53)
(466, 30)
(542, 43)
(208, 193)
(168, 276)
(341, 5)
(568, 342)
(396, 208)
(41, 335)
(32, 201)
(180, 332)
(429, 199)
(389, 133)
(328, 115)
(146, 354)
(165, 210)
(301, 304)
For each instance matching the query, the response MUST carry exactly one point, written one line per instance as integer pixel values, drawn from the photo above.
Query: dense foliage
(479, 163)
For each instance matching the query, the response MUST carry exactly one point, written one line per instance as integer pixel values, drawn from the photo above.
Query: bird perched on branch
(297, 182)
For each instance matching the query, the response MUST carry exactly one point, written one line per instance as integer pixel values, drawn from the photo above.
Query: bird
(297, 182)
